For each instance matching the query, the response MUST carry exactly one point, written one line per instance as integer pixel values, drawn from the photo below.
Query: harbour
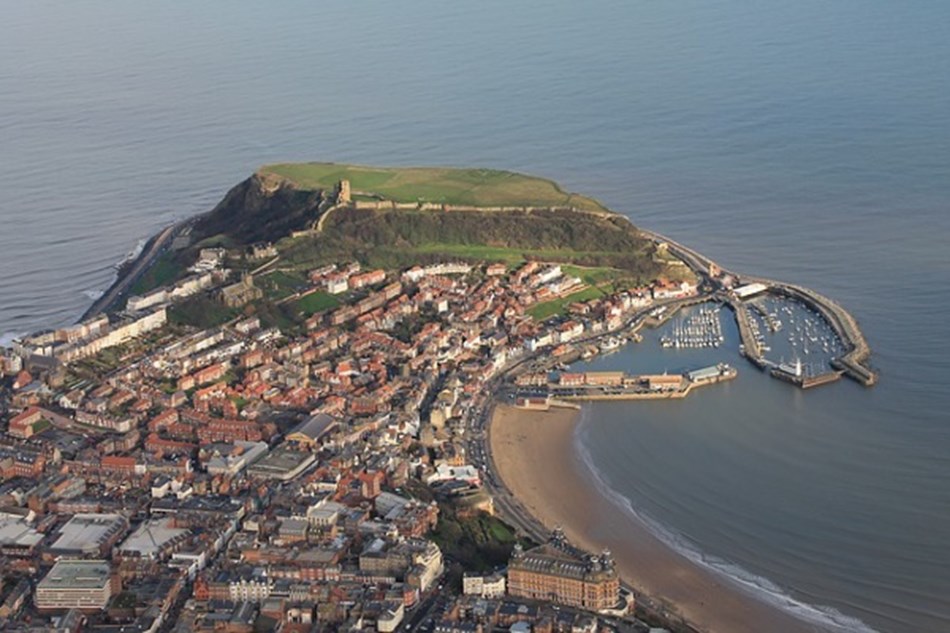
(851, 351)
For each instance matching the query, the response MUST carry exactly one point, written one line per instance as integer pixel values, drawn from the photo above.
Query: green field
(201, 311)
(317, 302)
(547, 309)
(302, 255)
(476, 187)
(593, 275)
(280, 284)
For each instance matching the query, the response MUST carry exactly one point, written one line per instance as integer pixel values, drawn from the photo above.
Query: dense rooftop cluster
(259, 476)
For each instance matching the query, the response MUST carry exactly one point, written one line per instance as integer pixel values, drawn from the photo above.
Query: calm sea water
(806, 141)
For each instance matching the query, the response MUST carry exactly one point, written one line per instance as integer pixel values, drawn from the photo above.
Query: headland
(397, 303)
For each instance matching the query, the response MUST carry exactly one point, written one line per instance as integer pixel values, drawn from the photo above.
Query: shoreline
(556, 489)
(649, 565)
(132, 270)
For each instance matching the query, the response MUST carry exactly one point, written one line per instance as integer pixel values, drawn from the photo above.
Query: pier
(750, 344)
(851, 363)
(569, 388)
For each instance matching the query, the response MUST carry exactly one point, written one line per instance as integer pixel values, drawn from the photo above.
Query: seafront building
(90, 337)
(559, 572)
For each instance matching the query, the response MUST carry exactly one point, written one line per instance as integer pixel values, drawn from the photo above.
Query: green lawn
(215, 241)
(317, 302)
(280, 284)
(547, 309)
(592, 275)
(201, 311)
(478, 187)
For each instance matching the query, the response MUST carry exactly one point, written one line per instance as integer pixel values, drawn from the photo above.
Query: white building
(75, 584)
(245, 454)
(427, 564)
(749, 290)
(337, 284)
(537, 342)
(186, 287)
(250, 589)
(390, 619)
(209, 259)
(444, 472)
(491, 586)
(446, 268)
(115, 336)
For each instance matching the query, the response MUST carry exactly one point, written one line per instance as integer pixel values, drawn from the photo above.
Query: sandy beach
(533, 453)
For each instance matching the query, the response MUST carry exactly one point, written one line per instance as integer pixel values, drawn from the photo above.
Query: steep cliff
(261, 208)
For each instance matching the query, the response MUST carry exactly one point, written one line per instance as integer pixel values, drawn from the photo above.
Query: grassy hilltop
(474, 187)
(293, 206)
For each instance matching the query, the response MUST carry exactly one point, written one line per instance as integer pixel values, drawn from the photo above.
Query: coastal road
(155, 247)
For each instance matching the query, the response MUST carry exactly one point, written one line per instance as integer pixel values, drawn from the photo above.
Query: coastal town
(157, 477)
(332, 474)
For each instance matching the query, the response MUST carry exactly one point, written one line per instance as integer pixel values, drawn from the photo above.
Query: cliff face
(261, 209)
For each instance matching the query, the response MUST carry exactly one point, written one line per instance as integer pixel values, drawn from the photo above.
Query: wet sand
(534, 454)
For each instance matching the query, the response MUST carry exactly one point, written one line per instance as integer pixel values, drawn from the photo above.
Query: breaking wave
(759, 587)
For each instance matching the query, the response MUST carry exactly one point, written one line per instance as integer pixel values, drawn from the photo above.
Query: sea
(806, 141)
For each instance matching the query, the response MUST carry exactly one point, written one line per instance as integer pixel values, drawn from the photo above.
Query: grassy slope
(397, 239)
(546, 309)
(478, 187)
(165, 270)
(602, 248)
(480, 542)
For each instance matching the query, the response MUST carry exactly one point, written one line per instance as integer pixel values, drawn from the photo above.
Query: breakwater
(854, 361)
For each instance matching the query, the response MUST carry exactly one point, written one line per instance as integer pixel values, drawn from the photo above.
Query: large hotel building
(559, 572)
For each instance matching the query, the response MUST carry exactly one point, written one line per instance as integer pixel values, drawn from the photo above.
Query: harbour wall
(853, 363)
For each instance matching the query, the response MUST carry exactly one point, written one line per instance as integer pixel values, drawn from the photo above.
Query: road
(156, 246)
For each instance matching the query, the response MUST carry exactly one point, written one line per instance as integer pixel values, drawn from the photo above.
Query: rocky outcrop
(260, 209)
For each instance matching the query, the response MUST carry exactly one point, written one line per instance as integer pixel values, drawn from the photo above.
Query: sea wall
(390, 205)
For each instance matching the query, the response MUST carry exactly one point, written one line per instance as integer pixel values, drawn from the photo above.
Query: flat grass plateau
(440, 185)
